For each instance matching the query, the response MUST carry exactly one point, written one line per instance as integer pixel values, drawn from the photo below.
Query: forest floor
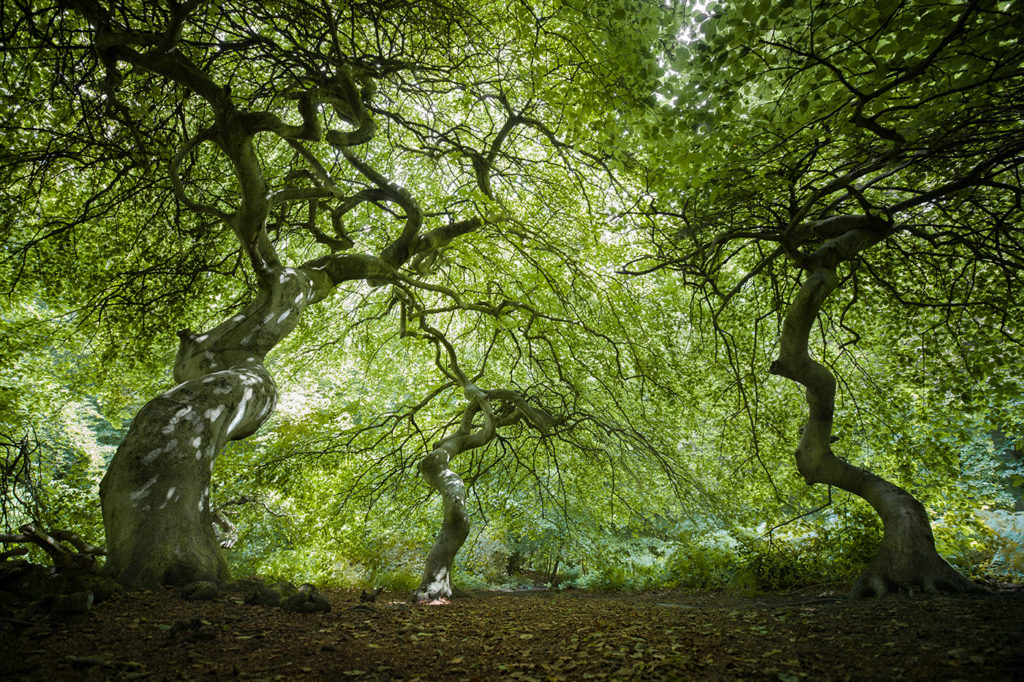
(812, 634)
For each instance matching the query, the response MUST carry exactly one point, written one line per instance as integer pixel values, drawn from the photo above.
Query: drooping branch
(230, 131)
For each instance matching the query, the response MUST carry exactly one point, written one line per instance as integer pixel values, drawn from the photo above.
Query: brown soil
(569, 635)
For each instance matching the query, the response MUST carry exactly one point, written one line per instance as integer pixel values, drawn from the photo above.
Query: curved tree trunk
(155, 494)
(437, 574)
(907, 558)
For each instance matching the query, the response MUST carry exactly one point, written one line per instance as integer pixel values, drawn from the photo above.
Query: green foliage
(55, 483)
(965, 541)
(708, 562)
(485, 558)
(694, 141)
(1007, 532)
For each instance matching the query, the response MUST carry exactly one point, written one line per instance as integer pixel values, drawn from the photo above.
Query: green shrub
(1006, 538)
(705, 564)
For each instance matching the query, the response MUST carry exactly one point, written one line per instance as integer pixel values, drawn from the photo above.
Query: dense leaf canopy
(606, 210)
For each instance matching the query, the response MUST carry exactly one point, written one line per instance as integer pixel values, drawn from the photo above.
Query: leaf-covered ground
(569, 635)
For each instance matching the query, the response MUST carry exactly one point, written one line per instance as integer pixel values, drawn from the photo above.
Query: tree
(497, 409)
(875, 147)
(263, 141)
(447, 184)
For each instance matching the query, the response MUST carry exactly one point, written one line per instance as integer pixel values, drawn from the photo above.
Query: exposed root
(883, 577)
(429, 595)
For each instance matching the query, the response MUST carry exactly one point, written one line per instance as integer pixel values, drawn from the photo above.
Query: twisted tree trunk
(155, 494)
(437, 574)
(907, 558)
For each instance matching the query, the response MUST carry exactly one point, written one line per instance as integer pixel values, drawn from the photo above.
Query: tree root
(882, 578)
(423, 595)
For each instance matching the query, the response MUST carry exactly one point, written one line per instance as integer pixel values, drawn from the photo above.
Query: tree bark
(437, 574)
(907, 558)
(156, 492)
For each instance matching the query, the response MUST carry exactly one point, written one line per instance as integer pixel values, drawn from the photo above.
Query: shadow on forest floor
(535, 635)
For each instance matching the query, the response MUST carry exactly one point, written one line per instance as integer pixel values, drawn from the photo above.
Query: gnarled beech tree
(265, 118)
(486, 413)
(871, 148)
(496, 409)
(907, 556)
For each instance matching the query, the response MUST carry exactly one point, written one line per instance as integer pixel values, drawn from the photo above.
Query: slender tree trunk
(512, 408)
(437, 574)
(155, 494)
(907, 558)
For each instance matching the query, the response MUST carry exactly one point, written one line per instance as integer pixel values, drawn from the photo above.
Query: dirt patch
(569, 635)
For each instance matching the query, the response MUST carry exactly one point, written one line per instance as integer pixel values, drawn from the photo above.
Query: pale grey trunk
(907, 558)
(155, 494)
(511, 408)
(437, 574)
